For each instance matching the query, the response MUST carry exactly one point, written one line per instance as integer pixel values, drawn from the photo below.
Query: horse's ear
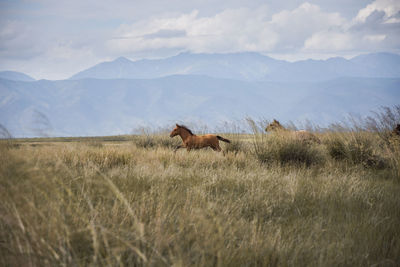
(177, 125)
(275, 120)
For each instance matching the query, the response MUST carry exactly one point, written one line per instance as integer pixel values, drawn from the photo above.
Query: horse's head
(273, 126)
(175, 131)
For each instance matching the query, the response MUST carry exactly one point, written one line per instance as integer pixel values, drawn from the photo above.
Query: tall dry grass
(272, 200)
(105, 203)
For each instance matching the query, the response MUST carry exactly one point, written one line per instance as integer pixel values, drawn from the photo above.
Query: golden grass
(123, 203)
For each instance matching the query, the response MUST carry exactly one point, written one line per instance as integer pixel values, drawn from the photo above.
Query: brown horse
(192, 141)
(302, 135)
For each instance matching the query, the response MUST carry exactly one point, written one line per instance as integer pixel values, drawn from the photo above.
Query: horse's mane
(275, 125)
(187, 129)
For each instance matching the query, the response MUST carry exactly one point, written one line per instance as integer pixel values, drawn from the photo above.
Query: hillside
(117, 106)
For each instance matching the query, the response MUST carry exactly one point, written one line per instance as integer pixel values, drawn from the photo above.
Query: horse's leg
(176, 148)
(219, 149)
(216, 147)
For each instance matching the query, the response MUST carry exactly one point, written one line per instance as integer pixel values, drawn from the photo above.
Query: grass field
(270, 201)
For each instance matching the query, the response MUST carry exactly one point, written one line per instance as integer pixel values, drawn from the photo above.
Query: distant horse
(396, 131)
(394, 139)
(302, 135)
(192, 141)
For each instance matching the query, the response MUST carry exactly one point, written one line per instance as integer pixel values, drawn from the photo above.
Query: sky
(49, 39)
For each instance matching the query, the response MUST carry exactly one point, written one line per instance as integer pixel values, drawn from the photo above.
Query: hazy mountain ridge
(198, 88)
(117, 106)
(213, 65)
(15, 76)
(247, 66)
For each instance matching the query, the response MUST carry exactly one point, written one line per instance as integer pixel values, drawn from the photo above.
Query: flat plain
(131, 201)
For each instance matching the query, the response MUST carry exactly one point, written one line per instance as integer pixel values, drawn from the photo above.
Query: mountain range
(247, 66)
(198, 89)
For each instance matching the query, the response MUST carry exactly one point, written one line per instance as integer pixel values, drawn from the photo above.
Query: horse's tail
(223, 139)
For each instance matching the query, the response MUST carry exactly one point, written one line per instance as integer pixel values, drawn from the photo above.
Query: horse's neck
(281, 128)
(185, 134)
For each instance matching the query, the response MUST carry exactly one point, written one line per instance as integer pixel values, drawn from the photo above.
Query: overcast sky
(50, 39)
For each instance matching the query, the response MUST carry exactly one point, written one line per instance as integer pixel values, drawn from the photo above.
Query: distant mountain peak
(122, 60)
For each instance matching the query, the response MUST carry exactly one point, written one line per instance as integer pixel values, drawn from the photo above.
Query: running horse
(192, 141)
(301, 135)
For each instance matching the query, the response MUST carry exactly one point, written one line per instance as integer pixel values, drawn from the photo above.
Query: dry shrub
(356, 148)
(235, 146)
(144, 142)
(153, 141)
(383, 122)
(94, 143)
(287, 149)
(103, 159)
(337, 149)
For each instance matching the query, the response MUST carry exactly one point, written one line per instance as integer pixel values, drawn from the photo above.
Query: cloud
(164, 33)
(375, 38)
(16, 41)
(232, 30)
(375, 28)
(295, 26)
(35, 52)
(55, 40)
(328, 41)
(228, 31)
(390, 9)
